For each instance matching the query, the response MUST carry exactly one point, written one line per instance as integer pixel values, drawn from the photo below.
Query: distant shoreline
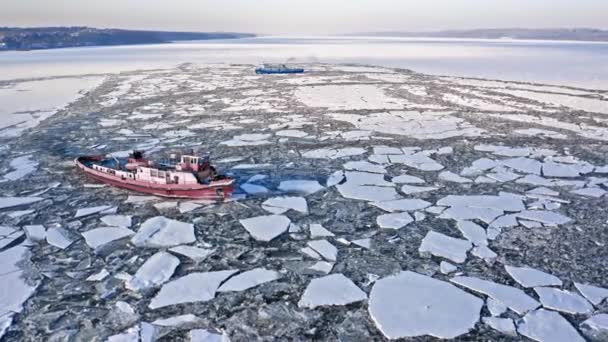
(46, 38)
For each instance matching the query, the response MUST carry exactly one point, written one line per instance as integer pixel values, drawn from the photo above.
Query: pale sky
(315, 17)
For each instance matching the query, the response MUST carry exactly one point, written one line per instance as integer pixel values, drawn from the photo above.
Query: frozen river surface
(580, 64)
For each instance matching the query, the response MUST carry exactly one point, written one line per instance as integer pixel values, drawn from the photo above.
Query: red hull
(216, 190)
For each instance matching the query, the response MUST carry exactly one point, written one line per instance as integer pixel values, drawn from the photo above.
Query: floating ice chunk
(564, 301)
(280, 205)
(365, 243)
(595, 192)
(367, 192)
(552, 169)
(186, 207)
(90, 211)
(410, 189)
(254, 139)
(406, 204)
(447, 268)
(495, 307)
(525, 165)
(484, 252)
(540, 132)
(58, 237)
(335, 178)
(543, 191)
(596, 327)
(410, 304)
(325, 249)
(394, 220)
(159, 231)
(9, 202)
(545, 217)
(446, 247)
(513, 298)
(484, 164)
(384, 150)
(21, 166)
(322, 267)
(418, 161)
(325, 153)
(202, 335)
(535, 180)
(99, 237)
(249, 279)
(292, 133)
(504, 325)
(407, 179)
(435, 210)
(256, 178)
(484, 207)
(547, 326)
(366, 178)
(254, 189)
(35, 232)
(101, 275)
(317, 230)
(593, 293)
(311, 253)
(195, 253)
(364, 166)
(117, 220)
(266, 228)
(191, 288)
(14, 290)
(473, 232)
(177, 321)
(165, 205)
(529, 277)
(306, 187)
(449, 176)
(331, 290)
(157, 270)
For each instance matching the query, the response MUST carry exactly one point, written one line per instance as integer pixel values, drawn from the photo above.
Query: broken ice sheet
(155, 271)
(562, 300)
(331, 290)
(529, 277)
(58, 237)
(317, 230)
(195, 253)
(249, 279)
(504, 325)
(90, 211)
(512, 297)
(306, 187)
(444, 246)
(280, 205)
(191, 288)
(409, 304)
(202, 335)
(159, 231)
(547, 326)
(117, 220)
(594, 294)
(9, 202)
(254, 189)
(177, 321)
(394, 220)
(405, 204)
(99, 237)
(325, 249)
(266, 228)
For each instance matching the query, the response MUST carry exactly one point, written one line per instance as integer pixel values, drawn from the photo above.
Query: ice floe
(324, 249)
(547, 326)
(266, 228)
(409, 304)
(394, 220)
(159, 231)
(512, 297)
(562, 300)
(9, 202)
(306, 187)
(504, 325)
(529, 277)
(596, 327)
(406, 204)
(316, 230)
(99, 237)
(280, 205)
(157, 270)
(191, 288)
(91, 211)
(594, 294)
(58, 237)
(195, 253)
(331, 290)
(446, 247)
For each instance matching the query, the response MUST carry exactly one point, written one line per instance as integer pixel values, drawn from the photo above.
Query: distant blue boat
(277, 69)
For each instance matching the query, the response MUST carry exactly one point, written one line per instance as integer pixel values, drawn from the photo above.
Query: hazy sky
(306, 16)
